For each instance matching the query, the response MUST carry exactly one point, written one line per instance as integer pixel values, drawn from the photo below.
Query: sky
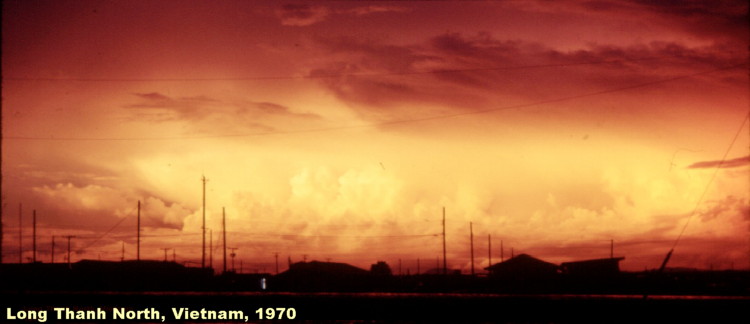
(338, 131)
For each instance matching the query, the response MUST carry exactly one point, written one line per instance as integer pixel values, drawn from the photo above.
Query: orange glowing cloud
(339, 130)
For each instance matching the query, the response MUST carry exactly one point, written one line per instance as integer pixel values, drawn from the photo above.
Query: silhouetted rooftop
(324, 268)
(523, 264)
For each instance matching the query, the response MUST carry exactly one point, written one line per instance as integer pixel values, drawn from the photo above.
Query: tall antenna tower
(203, 250)
(276, 255)
(224, 234)
(489, 249)
(33, 256)
(233, 255)
(20, 233)
(445, 263)
(138, 241)
(471, 240)
(69, 237)
(53, 249)
(211, 249)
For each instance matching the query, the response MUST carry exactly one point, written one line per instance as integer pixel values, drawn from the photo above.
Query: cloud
(301, 14)
(305, 14)
(204, 113)
(716, 21)
(733, 163)
(161, 214)
(159, 107)
(373, 9)
(727, 208)
(269, 108)
(155, 96)
(474, 72)
(95, 205)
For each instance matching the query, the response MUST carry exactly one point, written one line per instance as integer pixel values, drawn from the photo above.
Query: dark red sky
(338, 130)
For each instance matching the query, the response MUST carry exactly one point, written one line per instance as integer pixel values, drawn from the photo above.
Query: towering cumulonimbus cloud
(339, 130)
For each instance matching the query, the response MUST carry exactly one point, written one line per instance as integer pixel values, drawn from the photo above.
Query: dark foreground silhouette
(523, 290)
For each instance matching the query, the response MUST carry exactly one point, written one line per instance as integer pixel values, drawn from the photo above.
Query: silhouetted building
(523, 265)
(105, 275)
(592, 268)
(321, 276)
(317, 268)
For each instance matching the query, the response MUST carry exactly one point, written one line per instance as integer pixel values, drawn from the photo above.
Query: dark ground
(410, 307)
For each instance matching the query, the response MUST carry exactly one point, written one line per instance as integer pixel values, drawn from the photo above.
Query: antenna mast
(20, 234)
(489, 249)
(33, 259)
(211, 249)
(224, 234)
(203, 250)
(69, 237)
(471, 238)
(138, 241)
(445, 263)
(53, 249)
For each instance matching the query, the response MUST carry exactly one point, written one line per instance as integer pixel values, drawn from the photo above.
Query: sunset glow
(339, 130)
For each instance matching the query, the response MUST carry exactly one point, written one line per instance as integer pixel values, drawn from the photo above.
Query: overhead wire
(711, 180)
(109, 230)
(385, 123)
(335, 75)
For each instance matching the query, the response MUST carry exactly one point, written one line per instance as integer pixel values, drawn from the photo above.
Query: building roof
(522, 263)
(591, 262)
(324, 268)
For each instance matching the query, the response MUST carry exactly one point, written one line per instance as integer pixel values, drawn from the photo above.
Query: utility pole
(471, 240)
(174, 255)
(138, 241)
(211, 249)
(233, 255)
(20, 234)
(445, 263)
(68, 237)
(224, 234)
(276, 255)
(489, 249)
(165, 253)
(53, 249)
(33, 256)
(203, 250)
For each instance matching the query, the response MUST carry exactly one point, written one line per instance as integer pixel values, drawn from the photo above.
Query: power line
(336, 75)
(109, 230)
(348, 236)
(386, 123)
(711, 180)
(291, 235)
(703, 195)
